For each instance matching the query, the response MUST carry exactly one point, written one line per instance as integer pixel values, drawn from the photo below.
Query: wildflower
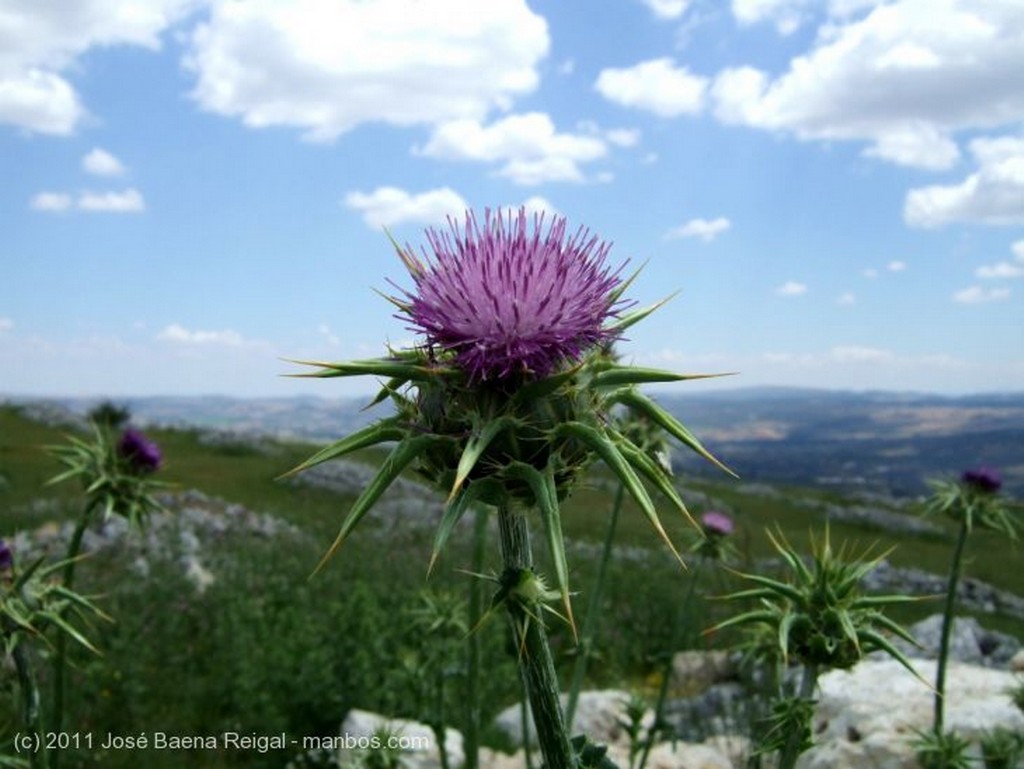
(716, 524)
(6, 556)
(985, 480)
(508, 301)
(141, 454)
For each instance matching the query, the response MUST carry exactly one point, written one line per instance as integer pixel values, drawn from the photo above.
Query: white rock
(419, 747)
(695, 670)
(599, 714)
(867, 716)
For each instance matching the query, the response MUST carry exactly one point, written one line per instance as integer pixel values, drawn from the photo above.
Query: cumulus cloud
(979, 295)
(51, 201)
(531, 150)
(705, 229)
(896, 266)
(42, 40)
(539, 205)
(658, 86)
(994, 194)
(101, 163)
(786, 15)
(128, 201)
(1005, 269)
(901, 76)
(326, 67)
(791, 288)
(179, 334)
(668, 10)
(387, 206)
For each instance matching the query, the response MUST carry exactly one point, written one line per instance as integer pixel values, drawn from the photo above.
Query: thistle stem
(534, 656)
(586, 643)
(947, 627)
(60, 660)
(666, 671)
(30, 714)
(471, 733)
(793, 748)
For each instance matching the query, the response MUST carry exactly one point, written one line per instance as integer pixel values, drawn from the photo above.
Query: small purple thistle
(6, 556)
(986, 480)
(142, 454)
(508, 301)
(717, 524)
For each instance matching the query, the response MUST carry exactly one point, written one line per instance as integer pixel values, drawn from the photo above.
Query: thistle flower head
(507, 299)
(716, 524)
(6, 556)
(141, 454)
(983, 479)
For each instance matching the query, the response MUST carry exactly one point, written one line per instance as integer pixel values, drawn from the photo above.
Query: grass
(269, 649)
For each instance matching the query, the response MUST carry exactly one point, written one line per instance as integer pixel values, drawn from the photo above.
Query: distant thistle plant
(820, 619)
(507, 401)
(972, 502)
(115, 472)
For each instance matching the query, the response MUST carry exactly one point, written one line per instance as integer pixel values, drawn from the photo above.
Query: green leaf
(653, 473)
(381, 431)
(632, 318)
(610, 454)
(399, 458)
(637, 401)
(617, 376)
(388, 389)
(384, 367)
(546, 495)
(544, 387)
(454, 511)
(476, 445)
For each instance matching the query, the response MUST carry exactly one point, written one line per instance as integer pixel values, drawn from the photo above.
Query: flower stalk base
(534, 656)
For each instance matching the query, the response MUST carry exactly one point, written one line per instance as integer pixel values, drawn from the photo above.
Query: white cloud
(50, 201)
(6, 324)
(567, 67)
(530, 147)
(1018, 250)
(42, 40)
(387, 206)
(126, 202)
(102, 163)
(705, 229)
(658, 86)
(326, 67)
(786, 15)
(539, 205)
(979, 295)
(791, 288)
(896, 266)
(846, 300)
(623, 137)
(668, 10)
(902, 76)
(179, 334)
(994, 194)
(859, 354)
(1000, 270)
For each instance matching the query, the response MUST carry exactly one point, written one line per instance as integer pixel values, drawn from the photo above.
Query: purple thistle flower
(984, 479)
(717, 524)
(509, 301)
(6, 556)
(141, 453)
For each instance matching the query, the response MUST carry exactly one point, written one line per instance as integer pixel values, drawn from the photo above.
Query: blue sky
(196, 189)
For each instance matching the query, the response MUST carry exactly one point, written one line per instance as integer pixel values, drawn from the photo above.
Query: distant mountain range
(889, 442)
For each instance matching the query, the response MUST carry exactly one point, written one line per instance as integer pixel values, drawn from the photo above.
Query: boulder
(599, 714)
(968, 642)
(695, 670)
(362, 729)
(870, 715)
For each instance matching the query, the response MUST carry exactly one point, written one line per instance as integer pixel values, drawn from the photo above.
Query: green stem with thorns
(535, 662)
